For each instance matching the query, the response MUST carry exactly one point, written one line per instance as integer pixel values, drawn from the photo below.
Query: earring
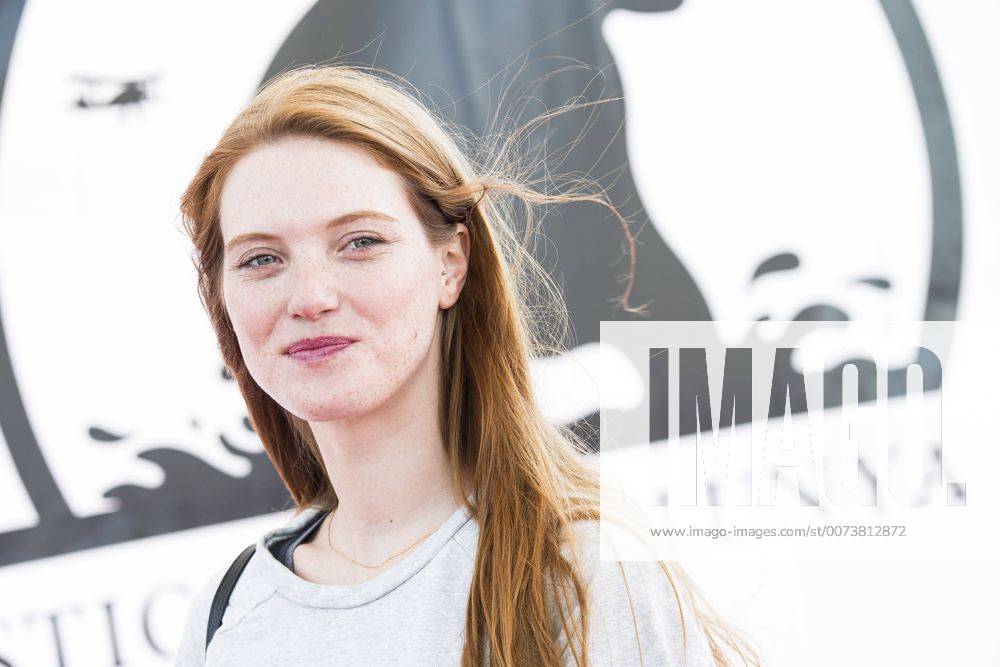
(443, 272)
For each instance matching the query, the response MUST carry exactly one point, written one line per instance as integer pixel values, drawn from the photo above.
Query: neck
(390, 471)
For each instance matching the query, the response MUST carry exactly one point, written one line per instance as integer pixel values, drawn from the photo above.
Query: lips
(317, 343)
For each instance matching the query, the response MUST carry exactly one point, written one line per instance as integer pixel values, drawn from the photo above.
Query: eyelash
(375, 241)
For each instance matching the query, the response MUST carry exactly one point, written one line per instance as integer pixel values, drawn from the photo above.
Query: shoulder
(191, 649)
(249, 589)
(637, 613)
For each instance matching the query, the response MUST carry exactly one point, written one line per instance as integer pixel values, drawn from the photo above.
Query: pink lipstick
(315, 349)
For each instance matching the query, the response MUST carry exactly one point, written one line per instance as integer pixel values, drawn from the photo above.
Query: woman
(370, 300)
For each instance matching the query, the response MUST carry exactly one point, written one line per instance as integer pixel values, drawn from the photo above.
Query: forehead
(304, 180)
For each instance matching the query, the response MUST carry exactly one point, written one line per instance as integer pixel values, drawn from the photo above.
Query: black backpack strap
(225, 589)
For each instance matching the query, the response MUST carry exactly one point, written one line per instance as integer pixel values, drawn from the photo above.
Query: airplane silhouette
(133, 91)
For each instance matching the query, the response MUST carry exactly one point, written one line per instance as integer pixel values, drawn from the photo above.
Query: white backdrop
(777, 128)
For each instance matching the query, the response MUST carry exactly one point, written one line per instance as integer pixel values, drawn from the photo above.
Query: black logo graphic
(458, 54)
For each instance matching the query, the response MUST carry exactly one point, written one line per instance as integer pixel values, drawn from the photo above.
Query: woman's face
(337, 251)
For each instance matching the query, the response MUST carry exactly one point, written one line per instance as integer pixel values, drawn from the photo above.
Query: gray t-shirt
(414, 612)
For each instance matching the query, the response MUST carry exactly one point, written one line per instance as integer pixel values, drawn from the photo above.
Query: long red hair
(531, 483)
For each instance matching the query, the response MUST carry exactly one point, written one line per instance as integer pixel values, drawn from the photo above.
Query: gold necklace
(329, 541)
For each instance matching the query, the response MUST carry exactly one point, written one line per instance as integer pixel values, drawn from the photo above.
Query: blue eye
(254, 258)
(374, 242)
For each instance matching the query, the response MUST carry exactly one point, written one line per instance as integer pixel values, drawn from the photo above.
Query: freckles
(252, 314)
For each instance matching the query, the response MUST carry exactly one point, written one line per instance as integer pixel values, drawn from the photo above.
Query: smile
(319, 353)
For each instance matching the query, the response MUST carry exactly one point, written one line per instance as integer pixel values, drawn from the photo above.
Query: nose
(313, 291)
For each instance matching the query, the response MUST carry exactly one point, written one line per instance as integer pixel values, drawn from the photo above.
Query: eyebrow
(339, 220)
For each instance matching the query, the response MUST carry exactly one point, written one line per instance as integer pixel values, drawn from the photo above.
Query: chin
(331, 405)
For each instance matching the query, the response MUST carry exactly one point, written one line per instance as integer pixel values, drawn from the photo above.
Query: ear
(455, 264)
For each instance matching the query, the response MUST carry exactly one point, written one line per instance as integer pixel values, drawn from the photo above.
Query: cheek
(252, 315)
(403, 309)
